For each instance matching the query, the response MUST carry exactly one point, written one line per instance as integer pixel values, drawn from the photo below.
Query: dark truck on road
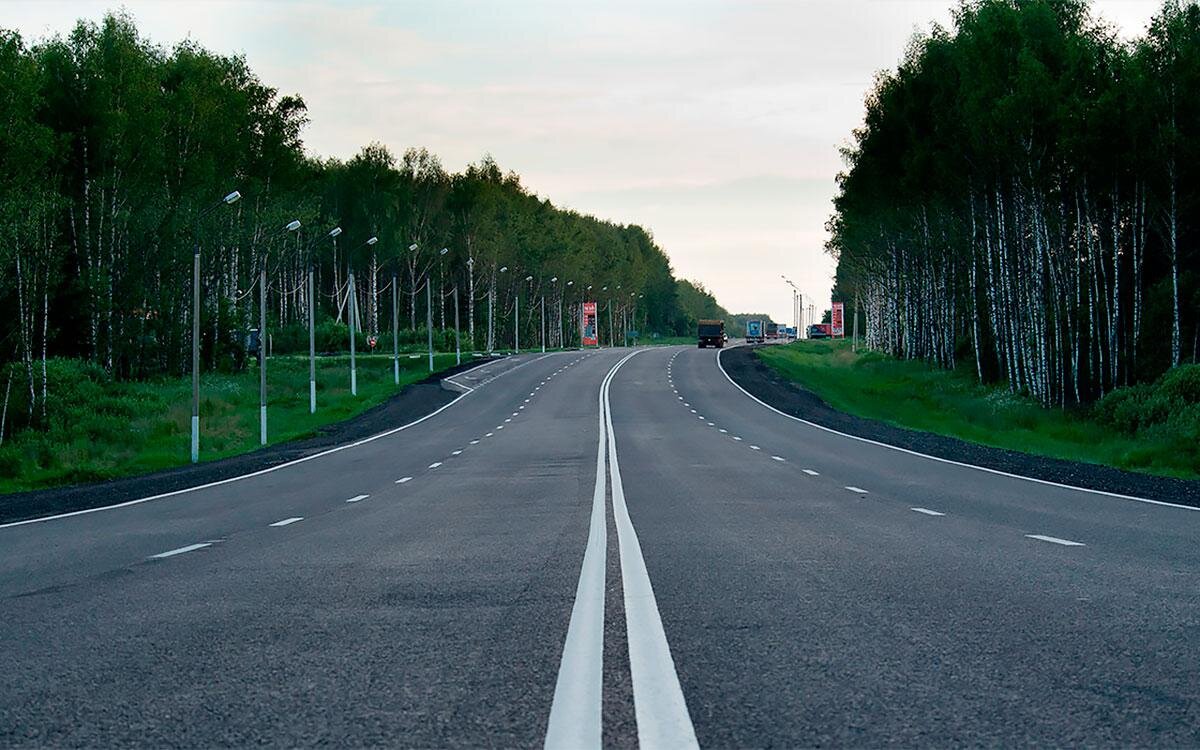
(711, 333)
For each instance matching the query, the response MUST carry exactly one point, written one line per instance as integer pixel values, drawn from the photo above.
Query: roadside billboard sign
(838, 319)
(589, 324)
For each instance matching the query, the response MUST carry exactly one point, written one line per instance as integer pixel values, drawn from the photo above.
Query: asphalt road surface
(616, 547)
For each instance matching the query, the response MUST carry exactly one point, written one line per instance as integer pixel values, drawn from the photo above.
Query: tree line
(115, 154)
(1022, 199)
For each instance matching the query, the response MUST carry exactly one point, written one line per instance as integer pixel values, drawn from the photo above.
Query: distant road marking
(435, 464)
(475, 441)
(357, 498)
(735, 437)
(508, 420)
(527, 401)
(700, 416)
(456, 453)
(499, 427)
(489, 434)
(693, 411)
(710, 424)
(1056, 540)
(779, 458)
(514, 414)
(288, 521)
(402, 480)
(181, 550)
(724, 431)
(939, 459)
(927, 511)
(755, 448)
(811, 473)
(859, 490)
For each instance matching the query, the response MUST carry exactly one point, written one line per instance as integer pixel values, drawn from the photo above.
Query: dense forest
(115, 157)
(1022, 200)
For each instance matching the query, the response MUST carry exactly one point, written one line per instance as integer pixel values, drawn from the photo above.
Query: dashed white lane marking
(489, 434)
(685, 403)
(811, 473)
(724, 431)
(475, 442)
(456, 453)
(1056, 540)
(357, 498)
(779, 458)
(402, 480)
(755, 448)
(499, 427)
(514, 414)
(520, 408)
(927, 511)
(435, 464)
(693, 411)
(288, 521)
(700, 417)
(710, 424)
(859, 490)
(508, 420)
(681, 398)
(735, 437)
(527, 401)
(181, 550)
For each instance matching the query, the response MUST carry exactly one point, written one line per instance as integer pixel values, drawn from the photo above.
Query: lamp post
(553, 280)
(564, 311)
(457, 331)
(429, 305)
(228, 200)
(291, 226)
(312, 323)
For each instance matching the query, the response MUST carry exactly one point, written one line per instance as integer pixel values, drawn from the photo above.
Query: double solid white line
(576, 719)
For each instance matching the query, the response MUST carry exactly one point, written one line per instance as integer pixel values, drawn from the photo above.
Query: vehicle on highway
(819, 331)
(754, 332)
(772, 330)
(710, 333)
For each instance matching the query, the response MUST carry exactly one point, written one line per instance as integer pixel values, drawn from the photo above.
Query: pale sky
(715, 125)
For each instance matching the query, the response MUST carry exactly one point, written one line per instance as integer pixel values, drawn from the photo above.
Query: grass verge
(1122, 430)
(101, 429)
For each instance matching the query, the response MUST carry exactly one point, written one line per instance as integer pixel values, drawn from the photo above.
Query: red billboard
(589, 324)
(838, 320)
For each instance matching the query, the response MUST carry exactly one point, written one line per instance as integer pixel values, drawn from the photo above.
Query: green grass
(913, 395)
(101, 429)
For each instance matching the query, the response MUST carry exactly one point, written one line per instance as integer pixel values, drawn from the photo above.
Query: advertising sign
(838, 320)
(589, 324)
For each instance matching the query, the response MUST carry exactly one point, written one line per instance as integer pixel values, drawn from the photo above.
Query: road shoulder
(749, 372)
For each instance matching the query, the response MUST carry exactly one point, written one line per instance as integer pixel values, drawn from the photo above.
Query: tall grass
(1153, 428)
(97, 428)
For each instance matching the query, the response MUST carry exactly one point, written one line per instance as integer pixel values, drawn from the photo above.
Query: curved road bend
(492, 576)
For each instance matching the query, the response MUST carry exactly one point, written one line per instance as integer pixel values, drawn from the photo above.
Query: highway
(616, 547)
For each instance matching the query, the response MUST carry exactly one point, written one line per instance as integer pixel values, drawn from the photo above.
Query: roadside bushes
(1167, 409)
(331, 336)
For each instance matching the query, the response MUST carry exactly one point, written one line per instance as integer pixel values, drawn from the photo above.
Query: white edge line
(277, 467)
(939, 459)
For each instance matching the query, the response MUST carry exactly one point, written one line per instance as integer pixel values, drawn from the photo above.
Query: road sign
(838, 319)
(589, 324)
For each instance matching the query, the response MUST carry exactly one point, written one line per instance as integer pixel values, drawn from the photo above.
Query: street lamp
(312, 315)
(228, 200)
(291, 226)
(457, 330)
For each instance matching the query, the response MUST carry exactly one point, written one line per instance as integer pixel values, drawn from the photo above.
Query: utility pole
(429, 318)
(262, 353)
(395, 332)
(457, 333)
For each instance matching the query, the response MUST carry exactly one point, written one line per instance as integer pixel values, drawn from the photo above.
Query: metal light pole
(566, 311)
(262, 354)
(395, 332)
(457, 331)
(429, 318)
(543, 323)
(228, 200)
(312, 324)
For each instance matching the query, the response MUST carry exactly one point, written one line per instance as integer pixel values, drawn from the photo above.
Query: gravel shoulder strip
(756, 377)
(411, 403)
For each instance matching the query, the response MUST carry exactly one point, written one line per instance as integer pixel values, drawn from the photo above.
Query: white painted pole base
(312, 397)
(195, 439)
(353, 382)
(262, 425)
(396, 370)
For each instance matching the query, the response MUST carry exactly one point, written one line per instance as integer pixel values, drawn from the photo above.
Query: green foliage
(1152, 429)
(99, 428)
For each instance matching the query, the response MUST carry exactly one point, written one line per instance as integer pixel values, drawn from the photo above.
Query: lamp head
(292, 225)
(503, 269)
(335, 231)
(372, 241)
(529, 278)
(413, 247)
(444, 250)
(232, 198)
